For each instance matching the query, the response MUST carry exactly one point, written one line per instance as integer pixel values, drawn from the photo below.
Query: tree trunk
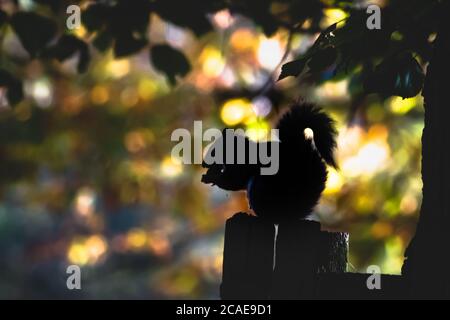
(428, 255)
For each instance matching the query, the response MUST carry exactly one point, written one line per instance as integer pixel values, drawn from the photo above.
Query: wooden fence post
(247, 258)
(301, 252)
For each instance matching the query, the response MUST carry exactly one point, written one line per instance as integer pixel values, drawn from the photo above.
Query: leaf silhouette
(188, 14)
(103, 41)
(170, 61)
(33, 30)
(293, 68)
(396, 76)
(13, 86)
(122, 25)
(3, 17)
(66, 47)
(127, 44)
(96, 16)
(323, 59)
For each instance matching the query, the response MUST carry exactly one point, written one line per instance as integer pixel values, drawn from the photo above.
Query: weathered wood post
(260, 263)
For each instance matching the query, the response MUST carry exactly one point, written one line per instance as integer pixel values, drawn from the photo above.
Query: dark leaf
(410, 80)
(96, 16)
(127, 44)
(103, 41)
(3, 18)
(262, 17)
(323, 59)
(33, 30)
(15, 92)
(13, 86)
(306, 9)
(66, 47)
(170, 61)
(397, 76)
(293, 68)
(357, 43)
(188, 14)
(122, 25)
(130, 16)
(323, 39)
(330, 28)
(84, 58)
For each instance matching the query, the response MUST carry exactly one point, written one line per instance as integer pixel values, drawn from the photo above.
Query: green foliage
(85, 159)
(123, 26)
(347, 45)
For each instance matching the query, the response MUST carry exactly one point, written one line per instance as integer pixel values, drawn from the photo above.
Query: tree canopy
(384, 61)
(86, 116)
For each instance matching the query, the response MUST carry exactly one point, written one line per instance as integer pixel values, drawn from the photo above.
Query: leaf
(317, 59)
(84, 59)
(293, 68)
(122, 25)
(13, 86)
(262, 17)
(66, 47)
(103, 41)
(131, 16)
(170, 61)
(396, 76)
(410, 80)
(96, 16)
(188, 14)
(15, 92)
(3, 17)
(33, 30)
(323, 37)
(306, 9)
(127, 44)
(323, 59)
(357, 43)
(330, 28)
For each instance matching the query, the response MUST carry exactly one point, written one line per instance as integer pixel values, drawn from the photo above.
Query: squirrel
(307, 143)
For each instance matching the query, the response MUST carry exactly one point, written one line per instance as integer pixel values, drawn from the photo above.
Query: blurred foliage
(86, 116)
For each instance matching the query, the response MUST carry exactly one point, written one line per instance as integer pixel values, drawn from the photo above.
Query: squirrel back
(307, 141)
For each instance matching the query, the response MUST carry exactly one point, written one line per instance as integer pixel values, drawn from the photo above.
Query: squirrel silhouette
(307, 142)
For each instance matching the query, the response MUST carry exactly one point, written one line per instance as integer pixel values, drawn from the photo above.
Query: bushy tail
(303, 116)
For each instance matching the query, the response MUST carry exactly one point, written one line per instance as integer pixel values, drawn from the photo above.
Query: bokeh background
(86, 175)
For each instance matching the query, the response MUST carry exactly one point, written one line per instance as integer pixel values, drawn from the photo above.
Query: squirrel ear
(228, 176)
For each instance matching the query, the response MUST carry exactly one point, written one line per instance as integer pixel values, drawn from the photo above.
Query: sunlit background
(87, 178)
